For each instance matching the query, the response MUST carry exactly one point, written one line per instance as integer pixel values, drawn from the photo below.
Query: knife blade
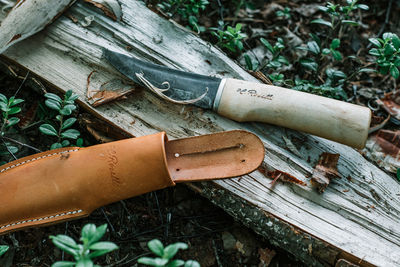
(242, 101)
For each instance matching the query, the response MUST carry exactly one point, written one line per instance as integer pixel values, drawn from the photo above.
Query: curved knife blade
(182, 86)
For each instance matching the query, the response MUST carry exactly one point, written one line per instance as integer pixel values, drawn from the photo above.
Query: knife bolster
(325, 117)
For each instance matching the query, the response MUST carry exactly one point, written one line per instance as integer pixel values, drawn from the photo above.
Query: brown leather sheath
(69, 183)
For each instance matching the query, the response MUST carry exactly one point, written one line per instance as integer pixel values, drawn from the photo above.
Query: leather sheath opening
(214, 156)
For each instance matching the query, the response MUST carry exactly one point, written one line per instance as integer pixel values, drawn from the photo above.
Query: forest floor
(295, 44)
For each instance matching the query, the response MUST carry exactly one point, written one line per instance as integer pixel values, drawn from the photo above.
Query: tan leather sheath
(68, 183)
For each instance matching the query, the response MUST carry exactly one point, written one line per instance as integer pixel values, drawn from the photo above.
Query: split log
(357, 218)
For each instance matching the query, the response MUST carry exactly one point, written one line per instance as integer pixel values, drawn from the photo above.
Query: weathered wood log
(17, 27)
(357, 217)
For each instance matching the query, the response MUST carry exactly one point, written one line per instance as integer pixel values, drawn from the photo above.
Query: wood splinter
(325, 170)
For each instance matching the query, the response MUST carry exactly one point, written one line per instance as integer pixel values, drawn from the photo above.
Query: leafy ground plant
(3, 249)
(340, 16)
(165, 255)
(9, 108)
(387, 51)
(230, 38)
(64, 108)
(84, 253)
(189, 10)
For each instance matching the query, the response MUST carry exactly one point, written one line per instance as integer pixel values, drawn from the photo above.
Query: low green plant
(189, 10)
(64, 108)
(387, 51)
(277, 59)
(165, 255)
(230, 38)
(251, 64)
(3, 249)
(333, 86)
(9, 108)
(90, 248)
(285, 13)
(340, 15)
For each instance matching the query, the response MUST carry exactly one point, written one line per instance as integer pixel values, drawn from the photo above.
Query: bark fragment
(391, 103)
(325, 170)
(384, 149)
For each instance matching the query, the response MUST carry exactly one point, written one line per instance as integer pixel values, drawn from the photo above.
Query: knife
(243, 101)
(70, 182)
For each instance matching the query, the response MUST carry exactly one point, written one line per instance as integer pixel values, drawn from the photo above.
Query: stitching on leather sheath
(41, 157)
(41, 219)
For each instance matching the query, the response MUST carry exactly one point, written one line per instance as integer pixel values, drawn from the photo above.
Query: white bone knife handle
(325, 117)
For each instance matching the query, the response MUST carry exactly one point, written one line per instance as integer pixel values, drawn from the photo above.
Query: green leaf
(88, 232)
(397, 62)
(394, 71)
(84, 263)
(63, 264)
(350, 22)
(192, 263)
(65, 243)
(396, 42)
(67, 109)
(274, 64)
(53, 97)
(97, 253)
(3, 249)
(176, 263)
(71, 134)
(48, 129)
(100, 231)
(336, 55)
(267, 45)
(322, 22)
(316, 38)
(309, 64)
(313, 47)
(108, 246)
(238, 27)
(79, 142)
(68, 94)
(248, 61)
(153, 262)
(67, 123)
(171, 250)
(52, 104)
(375, 42)
(9, 147)
(335, 43)
(326, 51)
(388, 50)
(156, 247)
(283, 60)
(65, 143)
(387, 35)
(362, 6)
(3, 98)
(374, 52)
(14, 110)
(12, 121)
(16, 102)
(56, 145)
(367, 70)
(398, 174)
